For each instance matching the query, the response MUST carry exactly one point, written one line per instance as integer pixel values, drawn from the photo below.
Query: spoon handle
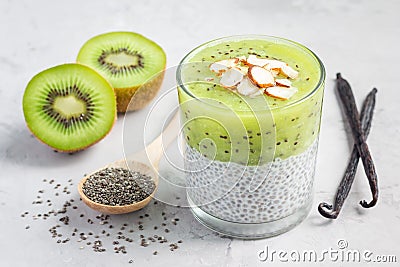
(152, 153)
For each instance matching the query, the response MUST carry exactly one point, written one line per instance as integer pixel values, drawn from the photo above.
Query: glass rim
(254, 37)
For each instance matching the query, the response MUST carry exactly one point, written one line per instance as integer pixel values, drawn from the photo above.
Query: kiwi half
(69, 107)
(132, 64)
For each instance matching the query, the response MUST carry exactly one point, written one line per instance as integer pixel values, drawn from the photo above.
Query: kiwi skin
(57, 149)
(135, 98)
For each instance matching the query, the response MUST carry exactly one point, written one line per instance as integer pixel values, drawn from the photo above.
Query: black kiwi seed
(115, 69)
(68, 91)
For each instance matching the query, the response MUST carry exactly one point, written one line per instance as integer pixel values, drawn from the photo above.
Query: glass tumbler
(249, 161)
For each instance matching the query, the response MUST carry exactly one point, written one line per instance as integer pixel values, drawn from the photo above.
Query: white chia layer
(250, 194)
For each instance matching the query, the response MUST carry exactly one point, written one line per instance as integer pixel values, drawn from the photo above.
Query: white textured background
(358, 38)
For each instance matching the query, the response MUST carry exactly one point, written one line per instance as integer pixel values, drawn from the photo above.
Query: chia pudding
(250, 115)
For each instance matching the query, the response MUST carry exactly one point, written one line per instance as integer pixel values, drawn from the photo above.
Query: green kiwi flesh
(130, 62)
(69, 107)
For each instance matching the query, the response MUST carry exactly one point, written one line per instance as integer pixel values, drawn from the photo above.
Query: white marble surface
(358, 38)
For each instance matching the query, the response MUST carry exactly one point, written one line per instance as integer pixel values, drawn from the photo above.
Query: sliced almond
(218, 68)
(275, 72)
(221, 66)
(283, 82)
(231, 78)
(274, 67)
(256, 61)
(209, 79)
(247, 88)
(261, 77)
(275, 64)
(289, 72)
(281, 92)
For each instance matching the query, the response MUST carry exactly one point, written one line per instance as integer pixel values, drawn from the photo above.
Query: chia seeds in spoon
(118, 187)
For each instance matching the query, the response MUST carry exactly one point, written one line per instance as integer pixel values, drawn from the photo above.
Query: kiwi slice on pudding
(132, 64)
(69, 107)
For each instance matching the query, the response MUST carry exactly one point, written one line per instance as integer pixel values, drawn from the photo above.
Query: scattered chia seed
(118, 187)
(65, 216)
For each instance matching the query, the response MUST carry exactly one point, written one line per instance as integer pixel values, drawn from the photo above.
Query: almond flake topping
(253, 76)
(247, 88)
(289, 72)
(256, 61)
(281, 92)
(231, 78)
(261, 77)
(283, 82)
(221, 66)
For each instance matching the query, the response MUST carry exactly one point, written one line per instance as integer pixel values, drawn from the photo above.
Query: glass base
(250, 230)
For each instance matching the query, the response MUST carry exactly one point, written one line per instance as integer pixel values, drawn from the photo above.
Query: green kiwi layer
(69, 107)
(284, 127)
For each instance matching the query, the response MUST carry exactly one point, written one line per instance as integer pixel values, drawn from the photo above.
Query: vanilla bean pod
(347, 98)
(332, 211)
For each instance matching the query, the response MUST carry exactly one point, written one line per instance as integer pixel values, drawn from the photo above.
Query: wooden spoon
(145, 161)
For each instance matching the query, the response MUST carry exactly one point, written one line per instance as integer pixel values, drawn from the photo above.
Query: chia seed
(69, 212)
(118, 187)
